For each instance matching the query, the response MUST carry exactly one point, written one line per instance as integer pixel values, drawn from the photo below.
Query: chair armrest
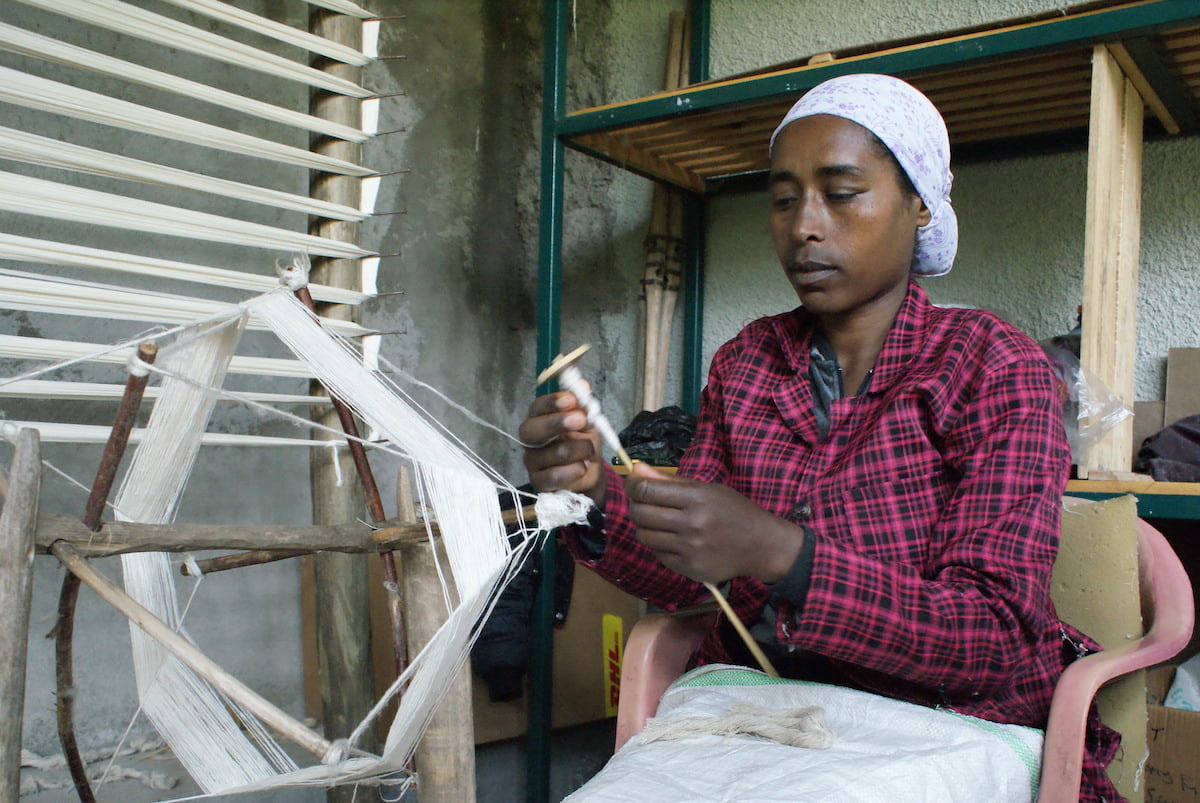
(1169, 605)
(660, 646)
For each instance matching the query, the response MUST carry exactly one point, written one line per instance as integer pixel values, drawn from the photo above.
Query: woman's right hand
(565, 450)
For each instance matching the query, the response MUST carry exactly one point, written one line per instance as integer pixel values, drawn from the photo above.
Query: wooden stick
(185, 651)
(445, 756)
(17, 524)
(118, 438)
(64, 676)
(121, 537)
(64, 629)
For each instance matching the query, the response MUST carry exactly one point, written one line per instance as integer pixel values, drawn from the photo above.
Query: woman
(877, 480)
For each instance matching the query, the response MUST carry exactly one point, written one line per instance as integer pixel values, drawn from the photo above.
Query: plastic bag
(1090, 409)
(659, 438)
(1185, 689)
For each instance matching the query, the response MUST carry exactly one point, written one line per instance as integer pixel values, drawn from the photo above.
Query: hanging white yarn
(233, 15)
(68, 352)
(343, 7)
(130, 20)
(32, 196)
(29, 249)
(185, 710)
(33, 92)
(28, 291)
(33, 149)
(35, 45)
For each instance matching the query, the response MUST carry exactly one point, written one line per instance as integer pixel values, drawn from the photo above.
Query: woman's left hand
(709, 532)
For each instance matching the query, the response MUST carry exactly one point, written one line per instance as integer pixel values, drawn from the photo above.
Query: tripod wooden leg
(17, 524)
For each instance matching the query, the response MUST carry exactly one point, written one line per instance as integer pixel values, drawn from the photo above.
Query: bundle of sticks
(664, 247)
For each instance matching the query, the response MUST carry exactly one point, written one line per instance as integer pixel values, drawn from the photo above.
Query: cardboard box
(1173, 768)
(1183, 384)
(587, 654)
(1147, 420)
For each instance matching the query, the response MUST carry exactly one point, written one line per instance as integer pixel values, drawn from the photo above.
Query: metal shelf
(1001, 91)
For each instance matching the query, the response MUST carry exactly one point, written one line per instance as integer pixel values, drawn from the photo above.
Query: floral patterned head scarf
(910, 126)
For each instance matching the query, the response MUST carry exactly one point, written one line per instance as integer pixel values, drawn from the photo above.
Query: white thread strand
(34, 196)
(233, 15)
(133, 21)
(188, 713)
(21, 146)
(28, 43)
(29, 249)
(30, 292)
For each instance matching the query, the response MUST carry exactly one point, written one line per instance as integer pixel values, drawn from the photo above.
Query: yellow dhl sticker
(614, 651)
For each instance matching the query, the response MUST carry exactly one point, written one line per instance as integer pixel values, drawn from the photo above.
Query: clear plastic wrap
(1090, 409)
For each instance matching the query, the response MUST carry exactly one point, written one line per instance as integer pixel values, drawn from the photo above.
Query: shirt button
(802, 511)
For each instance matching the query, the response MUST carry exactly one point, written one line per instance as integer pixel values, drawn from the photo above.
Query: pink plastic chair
(660, 646)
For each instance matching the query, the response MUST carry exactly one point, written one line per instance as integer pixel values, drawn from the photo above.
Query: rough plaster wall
(1021, 219)
(461, 289)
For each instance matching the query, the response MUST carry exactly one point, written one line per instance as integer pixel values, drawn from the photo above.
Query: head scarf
(911, 128)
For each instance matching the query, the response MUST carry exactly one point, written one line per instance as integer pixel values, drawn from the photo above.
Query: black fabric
(659, 438)
(794, 585)
(1173, 454)
(825, 373)
(500, 655)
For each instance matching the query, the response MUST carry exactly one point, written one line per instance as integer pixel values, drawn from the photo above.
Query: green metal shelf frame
(1153, 506)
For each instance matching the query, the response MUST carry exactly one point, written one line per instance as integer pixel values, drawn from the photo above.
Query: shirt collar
(902, 343)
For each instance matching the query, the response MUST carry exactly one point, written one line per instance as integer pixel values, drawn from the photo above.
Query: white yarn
(133, 21)
(68, 352)
(185, 710)
(33, 92)
(35, 196)
(35, 45)
(457, 489)
(28, 291)
(56, 432)
(796, 727)
(343, 7)
(560, 508)
(29, 249)
(294, 275)
(33, 149)
(233, 15)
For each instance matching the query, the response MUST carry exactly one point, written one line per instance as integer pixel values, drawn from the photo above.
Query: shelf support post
(1111, 250)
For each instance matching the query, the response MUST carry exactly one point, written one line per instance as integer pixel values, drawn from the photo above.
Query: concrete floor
(500, 774)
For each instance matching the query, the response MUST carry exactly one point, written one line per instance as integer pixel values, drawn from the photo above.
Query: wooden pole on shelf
(445, 757)
(660, 281)
(338, 606)
(17, 524)
(1111, 246)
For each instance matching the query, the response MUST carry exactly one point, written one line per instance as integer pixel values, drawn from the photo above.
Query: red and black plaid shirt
(933, 502)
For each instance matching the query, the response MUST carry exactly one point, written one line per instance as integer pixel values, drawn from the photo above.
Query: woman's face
(842, 226)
